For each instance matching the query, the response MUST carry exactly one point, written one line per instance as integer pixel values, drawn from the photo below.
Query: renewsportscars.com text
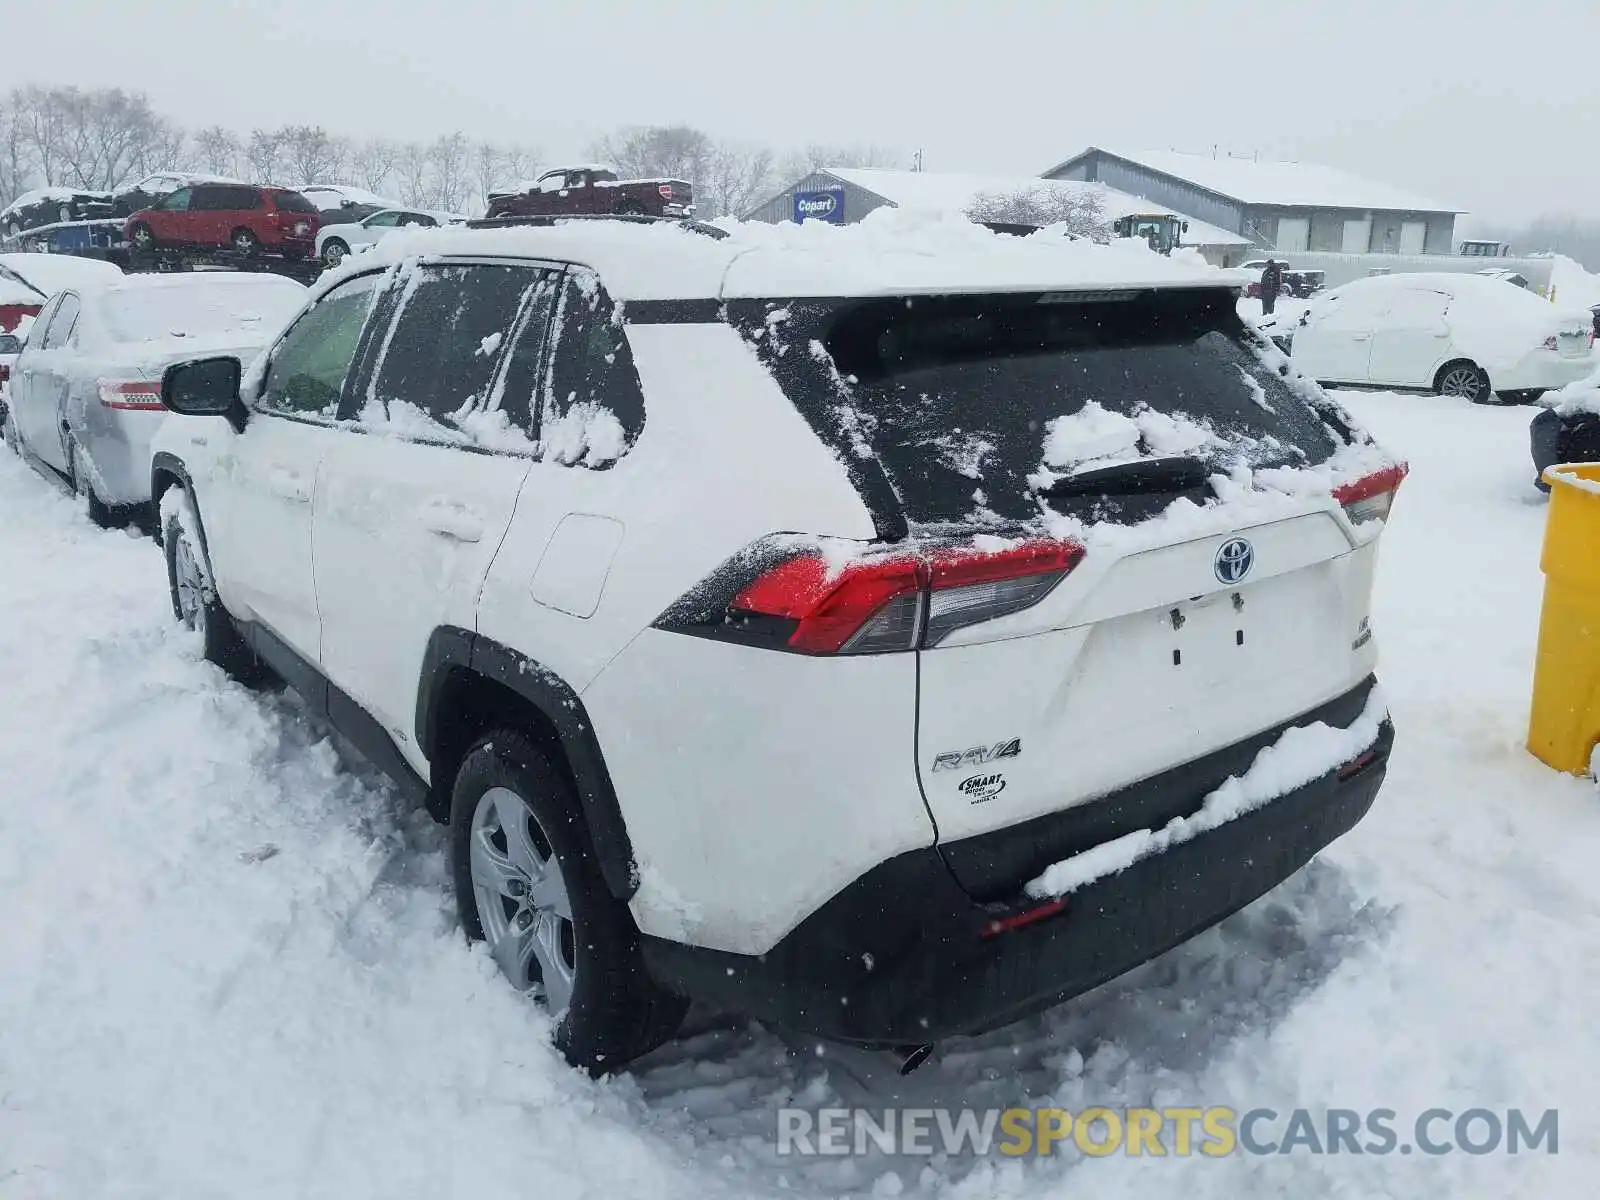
(1214, 1132)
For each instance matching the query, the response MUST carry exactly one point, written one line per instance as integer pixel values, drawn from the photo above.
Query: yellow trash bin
(1565, 725)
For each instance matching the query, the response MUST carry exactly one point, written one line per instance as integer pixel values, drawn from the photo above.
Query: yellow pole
(1564, 727)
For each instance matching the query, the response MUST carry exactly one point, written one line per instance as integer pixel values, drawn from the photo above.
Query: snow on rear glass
(1009, 392)
(254, 311)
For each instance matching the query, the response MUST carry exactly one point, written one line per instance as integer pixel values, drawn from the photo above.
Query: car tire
(95, 509)
(630, 208)
(9, 433)
(142, 237)
(333, 252)
(196, 608)
(244, 241)
(512, 893)
(1466, 379)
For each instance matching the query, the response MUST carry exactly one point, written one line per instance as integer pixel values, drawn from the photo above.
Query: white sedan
(336, 241)
(1459, 335)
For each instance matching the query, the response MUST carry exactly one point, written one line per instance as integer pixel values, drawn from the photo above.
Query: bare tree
(816, 156)
(311, 156)
(1079, 210)
(449, 158)
(736, 178)
(42, 120)
(372, 162)
(658, 152)
(216, 151)
(16, 162)
(518, 163)
(263, 155)
(414, 163)
(487, 164)
(165, 149)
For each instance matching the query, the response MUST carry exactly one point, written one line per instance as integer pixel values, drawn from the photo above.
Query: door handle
(1360, 337)
(453, 521)
(289, 485)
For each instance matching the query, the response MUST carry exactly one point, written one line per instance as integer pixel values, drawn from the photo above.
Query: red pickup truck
(593, 189)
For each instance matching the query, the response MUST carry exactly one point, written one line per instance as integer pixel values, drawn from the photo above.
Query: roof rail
(548, 219)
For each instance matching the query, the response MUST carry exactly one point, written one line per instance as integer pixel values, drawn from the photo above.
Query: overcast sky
(1492, 108)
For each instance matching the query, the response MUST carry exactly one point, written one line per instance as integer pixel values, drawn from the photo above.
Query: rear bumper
(900, 957)
(1544, 371)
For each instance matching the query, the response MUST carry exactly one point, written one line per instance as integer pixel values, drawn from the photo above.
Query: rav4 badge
(978, 756)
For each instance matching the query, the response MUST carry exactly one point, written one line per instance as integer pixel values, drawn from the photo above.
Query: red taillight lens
(895, 601)
(837, 611)
(666, 191)
(138, 394)
(1372, 496)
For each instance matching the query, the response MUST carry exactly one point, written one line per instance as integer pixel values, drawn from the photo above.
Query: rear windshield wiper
(1140, 477)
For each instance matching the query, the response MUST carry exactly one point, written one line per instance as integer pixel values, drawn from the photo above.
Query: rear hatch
(1186, 624)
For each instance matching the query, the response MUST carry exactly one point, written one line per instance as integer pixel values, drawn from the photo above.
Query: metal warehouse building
(1284, 206)
(844, 195)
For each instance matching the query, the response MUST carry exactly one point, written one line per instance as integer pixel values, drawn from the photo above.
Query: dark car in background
(593, 190)
(51, 205)
(240, 217)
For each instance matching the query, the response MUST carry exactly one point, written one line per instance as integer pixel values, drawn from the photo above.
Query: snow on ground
(228, 965)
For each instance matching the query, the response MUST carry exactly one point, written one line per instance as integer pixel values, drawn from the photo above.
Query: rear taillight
(893, 600)
(666, 191)
(1372, 496)
(139, 394)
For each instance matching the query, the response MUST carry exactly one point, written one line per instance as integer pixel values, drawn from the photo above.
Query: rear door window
(591, 407)
(972, 405)
(437, 372)
(179, 201)
(287, 202)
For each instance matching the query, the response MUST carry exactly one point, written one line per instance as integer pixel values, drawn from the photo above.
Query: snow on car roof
(52, 273)
(936, 191)
(892, 252)
(1292, 184)
(346, 192)
(48, 193)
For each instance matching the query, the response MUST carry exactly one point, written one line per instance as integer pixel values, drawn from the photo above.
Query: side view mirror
(205, 387)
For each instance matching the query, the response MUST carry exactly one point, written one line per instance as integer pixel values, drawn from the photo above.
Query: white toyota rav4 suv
(887, 643)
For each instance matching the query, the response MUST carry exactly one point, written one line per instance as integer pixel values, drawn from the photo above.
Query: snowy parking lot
(229, 964)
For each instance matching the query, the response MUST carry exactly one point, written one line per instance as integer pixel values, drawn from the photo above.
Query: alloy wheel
(190, 588)
(522, 899)
(1460, 381)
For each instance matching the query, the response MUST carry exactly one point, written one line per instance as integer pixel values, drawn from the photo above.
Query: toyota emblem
(1234, 560)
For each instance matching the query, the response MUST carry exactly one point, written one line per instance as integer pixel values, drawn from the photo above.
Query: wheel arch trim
(452, 650)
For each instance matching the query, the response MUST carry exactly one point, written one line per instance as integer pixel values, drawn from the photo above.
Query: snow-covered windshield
(972, 403)
(201, 309)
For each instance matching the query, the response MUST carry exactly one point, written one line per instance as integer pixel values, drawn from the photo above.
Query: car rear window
(294, 202)
(964, 400)
(253, 311)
